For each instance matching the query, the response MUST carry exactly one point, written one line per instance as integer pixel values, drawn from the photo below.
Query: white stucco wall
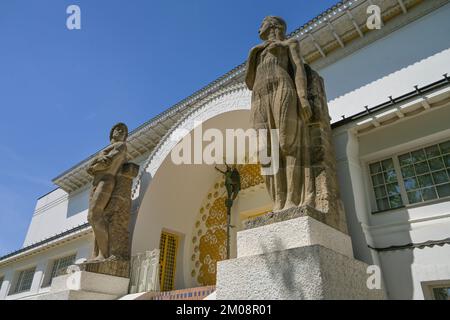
(417, 54)
(404, 270)
(55, 213)
(43, 261)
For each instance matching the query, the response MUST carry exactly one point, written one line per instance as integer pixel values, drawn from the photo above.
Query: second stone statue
(288, 96)
(110, 205)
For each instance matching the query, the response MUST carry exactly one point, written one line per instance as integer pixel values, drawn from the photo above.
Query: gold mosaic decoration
(250, 175)
(209, 238)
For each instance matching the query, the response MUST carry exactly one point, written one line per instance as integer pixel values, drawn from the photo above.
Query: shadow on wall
(397, 267)
(405, 47)
(354, 183)
(137, 200)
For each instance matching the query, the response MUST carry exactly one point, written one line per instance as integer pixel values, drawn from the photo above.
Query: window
(441, 293)
(167, 260)
(60, 265)
(1, 282)
(24, 280)
(426, 173)
(385, 185)
(413, 177)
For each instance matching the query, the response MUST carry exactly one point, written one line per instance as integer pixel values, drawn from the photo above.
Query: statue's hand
(99, 164)
(105, 160)
(275, 44)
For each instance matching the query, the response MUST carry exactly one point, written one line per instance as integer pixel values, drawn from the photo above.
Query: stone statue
(104, 168)
(289, 96)
(110, 198)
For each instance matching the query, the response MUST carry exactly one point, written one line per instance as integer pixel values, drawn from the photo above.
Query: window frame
(429, 286)
(442, 286)
(51, 267)
(372, 187)
(395, 158)
(19, 279)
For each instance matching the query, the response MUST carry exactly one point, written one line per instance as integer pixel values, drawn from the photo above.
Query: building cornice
(411, 104)
(56, 240)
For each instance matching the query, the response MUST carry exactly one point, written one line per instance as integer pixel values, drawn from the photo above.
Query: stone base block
(305, 273)
(118, 268)
(293, 233)
(332, 219)
(83, 285)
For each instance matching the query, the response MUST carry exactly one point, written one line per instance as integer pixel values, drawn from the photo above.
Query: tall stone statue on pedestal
(301, 250)
(289, 96)
(110, 205)
(106, 274)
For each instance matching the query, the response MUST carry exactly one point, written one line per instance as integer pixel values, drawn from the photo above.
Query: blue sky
(61, 90)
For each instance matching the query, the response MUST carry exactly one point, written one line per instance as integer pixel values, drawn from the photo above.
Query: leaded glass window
(385, 185)
(24, 280)
(60, 265)
(424, 175)
(441, 293)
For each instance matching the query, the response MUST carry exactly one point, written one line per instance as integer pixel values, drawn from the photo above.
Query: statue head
(119, 132)
(273, 24)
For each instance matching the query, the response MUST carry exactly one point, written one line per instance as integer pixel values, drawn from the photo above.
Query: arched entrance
(169, 198)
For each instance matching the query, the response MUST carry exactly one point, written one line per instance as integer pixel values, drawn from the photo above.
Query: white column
(38, 278)
(352, 190)
(354, 195)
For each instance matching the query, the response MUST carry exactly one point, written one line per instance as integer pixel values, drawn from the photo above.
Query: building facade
(389, 101)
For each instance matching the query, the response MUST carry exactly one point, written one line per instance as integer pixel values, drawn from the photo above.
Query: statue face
(272, 23)
(264, 29)
(119, 134)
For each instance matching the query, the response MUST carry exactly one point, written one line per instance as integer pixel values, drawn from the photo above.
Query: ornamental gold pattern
(210, 235)
(250, 175)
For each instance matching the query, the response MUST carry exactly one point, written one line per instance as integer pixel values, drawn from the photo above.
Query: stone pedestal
(301, 258)
(332, 219)
(118, 268)
(294, 233)
(83, 285)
